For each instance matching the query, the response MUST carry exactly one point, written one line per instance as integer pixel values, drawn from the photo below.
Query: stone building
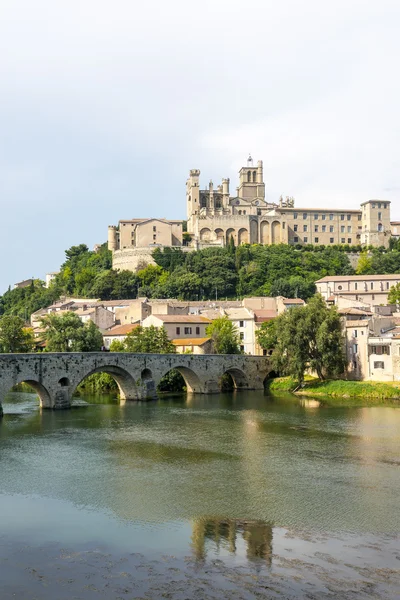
(133, 241)
(214, 216)
(371, 290)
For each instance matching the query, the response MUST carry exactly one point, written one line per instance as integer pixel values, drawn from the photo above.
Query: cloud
(106, 106)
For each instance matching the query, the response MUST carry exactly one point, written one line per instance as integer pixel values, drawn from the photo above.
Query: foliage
(67, 333)
(14, 336)
(224, 336)
(145, 340)
(172, 382)
(308, 337)
(364, 265)
(98, 383)
(394, 294)
(267, 336)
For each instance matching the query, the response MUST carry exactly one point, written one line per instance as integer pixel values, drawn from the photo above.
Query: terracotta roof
(354, 311)
(118, 302)
(182, 319)
(358, 278)
(190, 341)
(260, 316)
(293, 301)
(120, 329)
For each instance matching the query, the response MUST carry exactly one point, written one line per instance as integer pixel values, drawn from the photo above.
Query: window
(386, 350)
(241, 348)
(154, 228)
(387, 285)
(240, 212)
(372, 285)
(355, 286)
(331, 229)
(379, 216)
(349, 240)
(283, 225)
(154, 237)
(294, 227)
(259, 211)
(373, 296)
(197, 330)
(384, 206)
(178, 330)
(349, 229)
(323, 228)
(241, 335)
(355, 334)
(188, 330)
(305, 240)
(348, 217)
(359, 217)
(339, 287)
(331, 240)
(331, 217)
(304, 227)
(316, 240)
(342, 217)
(379, 364)
(323, 217)
(373, 205)
(244, 212)
(296, 239)
(241, 323)
(304, 215)
(342, 240)
(294, 215)
(380, 227)
(379, 204)
(316, 216)
(342, 228)
(254, 176)
(316, 228)
(248, 176)
(355, 348)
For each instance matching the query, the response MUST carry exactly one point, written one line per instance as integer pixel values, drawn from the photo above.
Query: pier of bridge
(55, 376)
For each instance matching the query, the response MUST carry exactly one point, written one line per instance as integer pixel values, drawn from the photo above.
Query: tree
(149, 340)
(304, 338)
(267, 336)
(364, 265)
(14, 336)
(394, 294)
(224, 335)
(67, 333)
(293, 287)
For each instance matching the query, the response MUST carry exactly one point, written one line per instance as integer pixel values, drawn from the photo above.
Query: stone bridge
(55, 376)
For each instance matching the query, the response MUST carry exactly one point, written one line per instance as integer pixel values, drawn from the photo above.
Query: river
(238, 496)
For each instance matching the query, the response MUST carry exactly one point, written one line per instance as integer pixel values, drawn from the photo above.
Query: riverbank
(367, 391)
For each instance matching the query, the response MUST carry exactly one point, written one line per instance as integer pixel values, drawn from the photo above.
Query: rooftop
(190, 341)
(182, 318)
(120, 329)
(358, 278)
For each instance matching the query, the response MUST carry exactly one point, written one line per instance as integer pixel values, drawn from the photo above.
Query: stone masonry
(55, 376)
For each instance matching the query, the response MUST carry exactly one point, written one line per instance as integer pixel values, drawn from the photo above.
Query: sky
(106, 106)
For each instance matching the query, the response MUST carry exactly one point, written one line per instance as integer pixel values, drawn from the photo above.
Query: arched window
(249, 176)
(380, 227)
(240, 212)
(203, 202)
(218, 204)
(254, 176)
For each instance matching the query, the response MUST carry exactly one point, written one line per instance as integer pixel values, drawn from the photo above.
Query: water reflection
(214, 534)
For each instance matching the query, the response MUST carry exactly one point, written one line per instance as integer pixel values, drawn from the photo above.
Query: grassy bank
(366, 390)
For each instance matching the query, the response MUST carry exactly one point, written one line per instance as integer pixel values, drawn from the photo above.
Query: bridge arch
(126, 384)
(239, 378)
(192, 380)
(45, 397)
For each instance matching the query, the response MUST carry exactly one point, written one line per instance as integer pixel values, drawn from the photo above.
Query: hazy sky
(106, 105)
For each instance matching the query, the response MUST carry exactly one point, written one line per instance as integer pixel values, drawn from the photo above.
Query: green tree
(267, 336)
(293, 287)
(148, 340)
(364, 265)
(394, 294)
(67, 333)
(14, 336)
(224, 335)
(304, 338)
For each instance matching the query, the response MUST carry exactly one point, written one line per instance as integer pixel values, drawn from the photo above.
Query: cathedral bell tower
(192, 198)
(251, 181)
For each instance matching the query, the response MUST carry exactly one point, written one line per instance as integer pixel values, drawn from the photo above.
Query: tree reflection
(215, 534)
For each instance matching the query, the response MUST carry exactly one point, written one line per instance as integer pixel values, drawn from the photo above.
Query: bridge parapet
(55, 376)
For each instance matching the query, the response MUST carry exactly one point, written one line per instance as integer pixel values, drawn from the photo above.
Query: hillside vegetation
(211, 273)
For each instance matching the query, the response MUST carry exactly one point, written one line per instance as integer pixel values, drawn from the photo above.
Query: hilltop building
(214, 216)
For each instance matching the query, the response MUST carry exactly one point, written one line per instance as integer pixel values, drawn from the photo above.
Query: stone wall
(55, 376)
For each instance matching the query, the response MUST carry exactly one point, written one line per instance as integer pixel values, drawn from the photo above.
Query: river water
(231, 496)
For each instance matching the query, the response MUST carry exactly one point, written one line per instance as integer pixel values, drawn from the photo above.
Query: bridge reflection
(215, 535)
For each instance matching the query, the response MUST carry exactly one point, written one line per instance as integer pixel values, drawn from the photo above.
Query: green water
(306, 497)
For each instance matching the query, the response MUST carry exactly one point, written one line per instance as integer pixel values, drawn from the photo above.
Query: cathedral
(214, 216)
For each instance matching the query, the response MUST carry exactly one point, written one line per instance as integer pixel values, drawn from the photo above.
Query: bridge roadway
(55, 376)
